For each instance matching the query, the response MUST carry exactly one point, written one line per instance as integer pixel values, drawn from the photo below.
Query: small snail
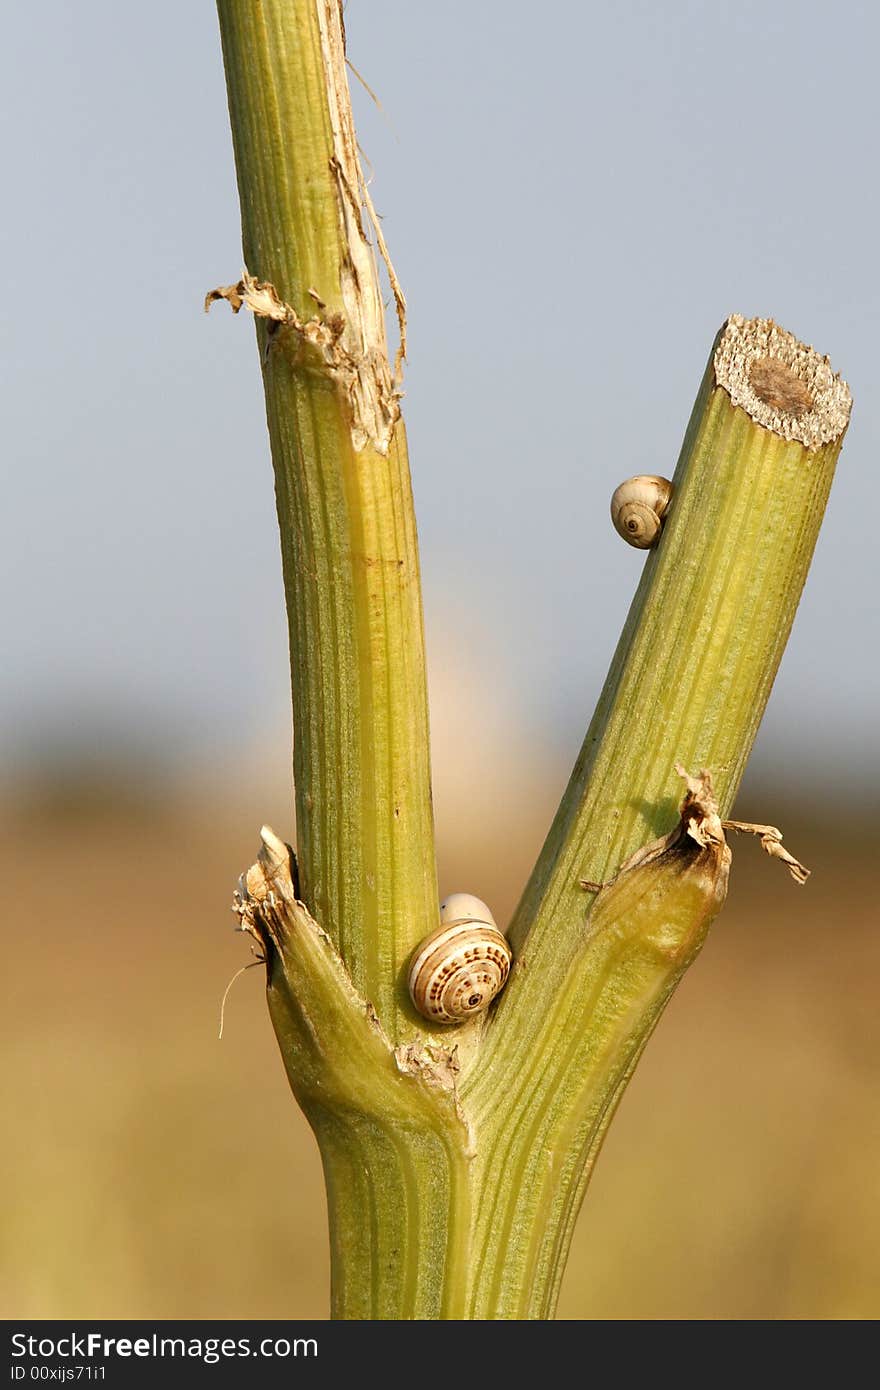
(638, 508)
(458, 969)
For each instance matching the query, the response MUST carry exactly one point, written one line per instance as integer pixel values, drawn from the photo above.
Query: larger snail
(458, 969)
(638, 508)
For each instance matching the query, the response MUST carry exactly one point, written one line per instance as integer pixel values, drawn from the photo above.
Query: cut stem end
(780, 382)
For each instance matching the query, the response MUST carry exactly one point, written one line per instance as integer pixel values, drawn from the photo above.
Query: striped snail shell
(638, 508)
(458, 969)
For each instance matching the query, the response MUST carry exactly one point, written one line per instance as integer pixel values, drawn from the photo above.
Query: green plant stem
(695, 664)
(456, 1162)
(350, 556)
(689, 683)
(394, 1143)
(407, 1172)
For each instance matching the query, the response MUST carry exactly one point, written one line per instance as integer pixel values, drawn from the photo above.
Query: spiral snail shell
(638, 507)
(460, 967)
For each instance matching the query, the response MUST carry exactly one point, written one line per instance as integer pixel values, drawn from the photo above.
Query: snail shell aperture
(638, 508)
(458, 969)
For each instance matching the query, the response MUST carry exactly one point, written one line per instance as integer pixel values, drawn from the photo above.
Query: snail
(459, 968)
(638, 508)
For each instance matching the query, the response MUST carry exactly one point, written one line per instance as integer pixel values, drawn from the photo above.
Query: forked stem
(456, 1160)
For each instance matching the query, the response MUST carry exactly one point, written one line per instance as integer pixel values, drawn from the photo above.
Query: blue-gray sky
(554, 181)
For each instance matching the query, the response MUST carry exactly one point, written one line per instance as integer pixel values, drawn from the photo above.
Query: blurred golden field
(152, 1171)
